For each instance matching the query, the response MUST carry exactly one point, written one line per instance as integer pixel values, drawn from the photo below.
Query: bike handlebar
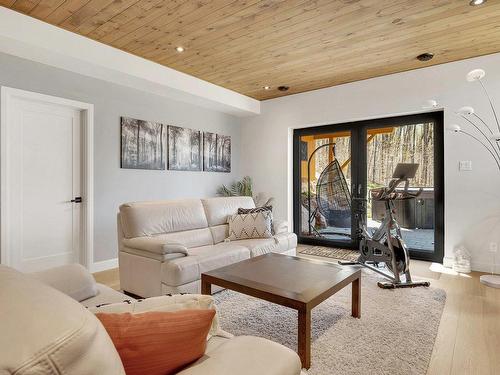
(390, 192)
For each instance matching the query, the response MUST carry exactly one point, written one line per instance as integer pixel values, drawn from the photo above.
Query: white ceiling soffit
(29, 38)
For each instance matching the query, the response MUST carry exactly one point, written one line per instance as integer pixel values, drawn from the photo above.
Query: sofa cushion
(219, 233)
(201, 259)
(278, 244)
(246, 355)
(156, 217)
(154, 244)
(46, 332)
(72, 279)
(218, 209)
(105, 295)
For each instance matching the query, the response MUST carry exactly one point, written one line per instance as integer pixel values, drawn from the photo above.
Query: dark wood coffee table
(298, 283)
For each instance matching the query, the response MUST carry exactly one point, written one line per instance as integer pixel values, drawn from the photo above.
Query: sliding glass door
(338, 168)
(324, 183)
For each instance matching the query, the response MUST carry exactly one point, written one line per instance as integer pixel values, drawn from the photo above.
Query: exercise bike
(385, 244)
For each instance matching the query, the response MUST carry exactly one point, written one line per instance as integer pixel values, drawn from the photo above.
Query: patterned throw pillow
(254, 210)
(255, 225)
(258, 209)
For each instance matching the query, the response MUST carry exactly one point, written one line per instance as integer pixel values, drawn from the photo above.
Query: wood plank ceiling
(245, 45)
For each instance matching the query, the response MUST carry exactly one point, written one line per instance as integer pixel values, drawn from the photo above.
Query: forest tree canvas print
(142, 144)
(216, 152)
(184, 149)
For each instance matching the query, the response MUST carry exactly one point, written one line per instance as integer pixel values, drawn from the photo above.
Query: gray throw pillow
(254, 210)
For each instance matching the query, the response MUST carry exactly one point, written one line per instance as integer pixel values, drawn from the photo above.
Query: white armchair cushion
(72, 279)
(254, 225)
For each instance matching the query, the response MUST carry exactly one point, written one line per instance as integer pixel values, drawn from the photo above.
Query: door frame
(86, 255)
(358, 137)
(355, 159)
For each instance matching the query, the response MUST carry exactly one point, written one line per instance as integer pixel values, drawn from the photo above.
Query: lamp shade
(475, 75)
(454, 128)
(466, 111)
(431, 103)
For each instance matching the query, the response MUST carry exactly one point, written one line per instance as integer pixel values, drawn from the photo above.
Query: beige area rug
(395, 335)
(330, 252)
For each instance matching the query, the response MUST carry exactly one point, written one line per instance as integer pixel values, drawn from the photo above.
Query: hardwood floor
(468, 340)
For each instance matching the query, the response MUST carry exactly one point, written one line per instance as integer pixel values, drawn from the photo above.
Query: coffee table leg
(304, 338)
(356, 298)
(206, 287)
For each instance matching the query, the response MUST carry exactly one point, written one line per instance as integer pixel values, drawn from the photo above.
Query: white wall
(112, 185)
(472, 199)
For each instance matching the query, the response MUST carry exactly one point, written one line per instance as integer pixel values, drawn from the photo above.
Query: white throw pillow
(253, 225)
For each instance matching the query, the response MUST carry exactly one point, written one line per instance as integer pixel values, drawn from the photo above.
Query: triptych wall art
(152, 145)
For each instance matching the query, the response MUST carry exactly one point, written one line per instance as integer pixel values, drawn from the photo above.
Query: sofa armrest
(72, 279)
(166, 303)
(155, 245)
(280, 226)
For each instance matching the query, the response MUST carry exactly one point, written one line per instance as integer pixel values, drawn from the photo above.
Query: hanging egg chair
(332, 195)
(333, 199)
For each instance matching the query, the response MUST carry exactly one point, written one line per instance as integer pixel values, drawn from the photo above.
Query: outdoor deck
(418, 239)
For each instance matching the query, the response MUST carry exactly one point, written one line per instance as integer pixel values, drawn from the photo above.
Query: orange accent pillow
(158, 343)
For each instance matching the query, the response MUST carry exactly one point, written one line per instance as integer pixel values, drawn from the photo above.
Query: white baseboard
(104, 265)
(484, 267)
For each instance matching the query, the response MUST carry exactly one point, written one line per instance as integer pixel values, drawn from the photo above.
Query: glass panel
(386, 147)
(325, 186)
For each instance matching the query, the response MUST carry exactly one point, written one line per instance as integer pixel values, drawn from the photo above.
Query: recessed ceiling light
(425, 56)
(179, 49)
(474, 3)
(267, 87)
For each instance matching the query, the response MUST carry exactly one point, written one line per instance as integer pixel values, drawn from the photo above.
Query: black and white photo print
(184, 149)
(142, 144)
(216, 152)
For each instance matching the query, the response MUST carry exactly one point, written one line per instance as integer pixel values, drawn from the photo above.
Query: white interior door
(43, 176)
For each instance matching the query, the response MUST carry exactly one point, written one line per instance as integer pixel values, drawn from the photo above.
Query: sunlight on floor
(437, 267)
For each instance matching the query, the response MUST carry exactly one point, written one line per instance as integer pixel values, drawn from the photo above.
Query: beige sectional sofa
(148, 269)
(45, 331)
